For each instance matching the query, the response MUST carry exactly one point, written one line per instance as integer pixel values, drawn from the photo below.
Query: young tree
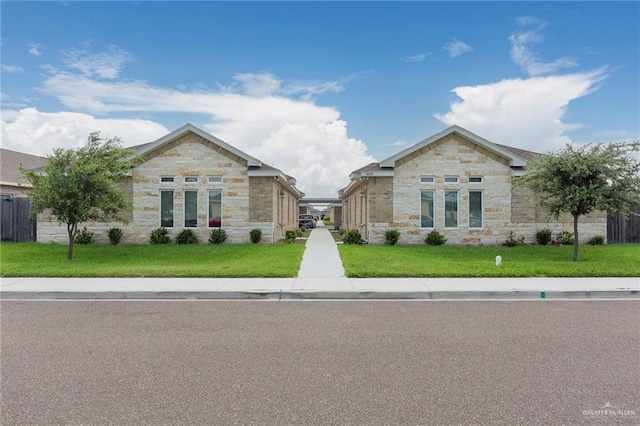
(82, 184)
(580, 180)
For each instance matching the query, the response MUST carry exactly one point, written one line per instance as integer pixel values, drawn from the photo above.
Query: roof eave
(251, 161)
(515, 160)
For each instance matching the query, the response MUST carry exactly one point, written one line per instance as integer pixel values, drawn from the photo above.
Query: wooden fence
(15, 223)
(624, 229)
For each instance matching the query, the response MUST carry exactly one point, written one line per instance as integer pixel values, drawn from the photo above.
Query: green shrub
(391, 237)
(291, 235)
(84, 237)
(218, 236)
(511, 241)
(115, 235)
(160, 236)
(597, 240)
(187, 236)
(352, 236)
(255, 235)
(564, 238)
(543, 236)
(300, 232)
(434, 238)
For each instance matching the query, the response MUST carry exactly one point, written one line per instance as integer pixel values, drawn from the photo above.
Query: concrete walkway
(321, 258)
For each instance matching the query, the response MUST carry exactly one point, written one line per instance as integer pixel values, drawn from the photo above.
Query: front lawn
(617, 260)
(205, 260)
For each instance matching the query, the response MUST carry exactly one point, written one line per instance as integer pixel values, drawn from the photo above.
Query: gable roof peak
(146, 148)
(515, 160)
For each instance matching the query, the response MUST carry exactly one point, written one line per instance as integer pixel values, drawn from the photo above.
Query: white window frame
(433, 213)
(481, 209)
(451, 179)
(457, 191)
(427, 179)
(191, 179)
(214, 179)
(172, 179)
(173, 199)
(184, 208)
(221, 209)
(480, 182)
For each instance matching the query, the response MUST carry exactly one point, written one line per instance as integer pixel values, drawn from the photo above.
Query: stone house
(189, 179)
(454, 182)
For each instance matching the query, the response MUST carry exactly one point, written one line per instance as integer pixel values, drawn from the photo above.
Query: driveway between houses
(321, 258)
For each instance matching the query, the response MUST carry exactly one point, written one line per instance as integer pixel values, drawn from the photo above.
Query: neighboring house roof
(10, 162)
(515, 159)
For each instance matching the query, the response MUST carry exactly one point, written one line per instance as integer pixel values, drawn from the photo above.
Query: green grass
(205, 260)
(618, 260)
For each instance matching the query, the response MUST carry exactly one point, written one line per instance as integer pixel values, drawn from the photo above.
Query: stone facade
(460, 167)
(192, 163)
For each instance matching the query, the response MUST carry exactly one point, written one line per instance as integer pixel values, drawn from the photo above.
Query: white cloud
(35, 49)
(14, 69)
(523, 55)
(266, 84)
(34, 132)
(257, 114)
(106, 64)
(525, 113)
(415, 58)
(457, 48)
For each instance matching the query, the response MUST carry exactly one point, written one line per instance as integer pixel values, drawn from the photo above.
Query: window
(166, 209)
(166, 179)
(190, 209)
(215, 208)
(191, 179)
(475, 179)
(426, 209)
(450, 209)
(427, 179)
(214, 179)
(451, 179)
(475, 209)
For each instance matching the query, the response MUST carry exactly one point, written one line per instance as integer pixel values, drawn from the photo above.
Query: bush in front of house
(543, 236)
(187, 236)
(291, 235)
(597, 240)
(564, 238)
(84, 237)
(352, 236)
(160, 236)
(255, 235)
(218, 236)
(512, 241)
(434, 238)
(115, 235)
(391, 237)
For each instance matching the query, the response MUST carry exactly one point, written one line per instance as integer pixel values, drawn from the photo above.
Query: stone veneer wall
(354, 208)
(454, 155)
(189, 155)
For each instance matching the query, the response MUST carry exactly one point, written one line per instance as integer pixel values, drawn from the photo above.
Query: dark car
(306, 221)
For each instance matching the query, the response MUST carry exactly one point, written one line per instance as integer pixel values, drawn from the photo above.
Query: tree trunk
(575, 237)
(71, 229)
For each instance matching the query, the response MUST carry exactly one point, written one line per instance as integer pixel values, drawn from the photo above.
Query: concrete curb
(321, 295)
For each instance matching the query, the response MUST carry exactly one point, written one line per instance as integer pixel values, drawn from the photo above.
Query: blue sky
(320, 89)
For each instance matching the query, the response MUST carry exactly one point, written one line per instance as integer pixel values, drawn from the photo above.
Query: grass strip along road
(283, 260)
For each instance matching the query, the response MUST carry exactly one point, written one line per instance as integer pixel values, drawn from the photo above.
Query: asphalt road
(267, 362)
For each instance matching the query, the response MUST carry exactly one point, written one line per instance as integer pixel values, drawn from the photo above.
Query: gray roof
(10, 162)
